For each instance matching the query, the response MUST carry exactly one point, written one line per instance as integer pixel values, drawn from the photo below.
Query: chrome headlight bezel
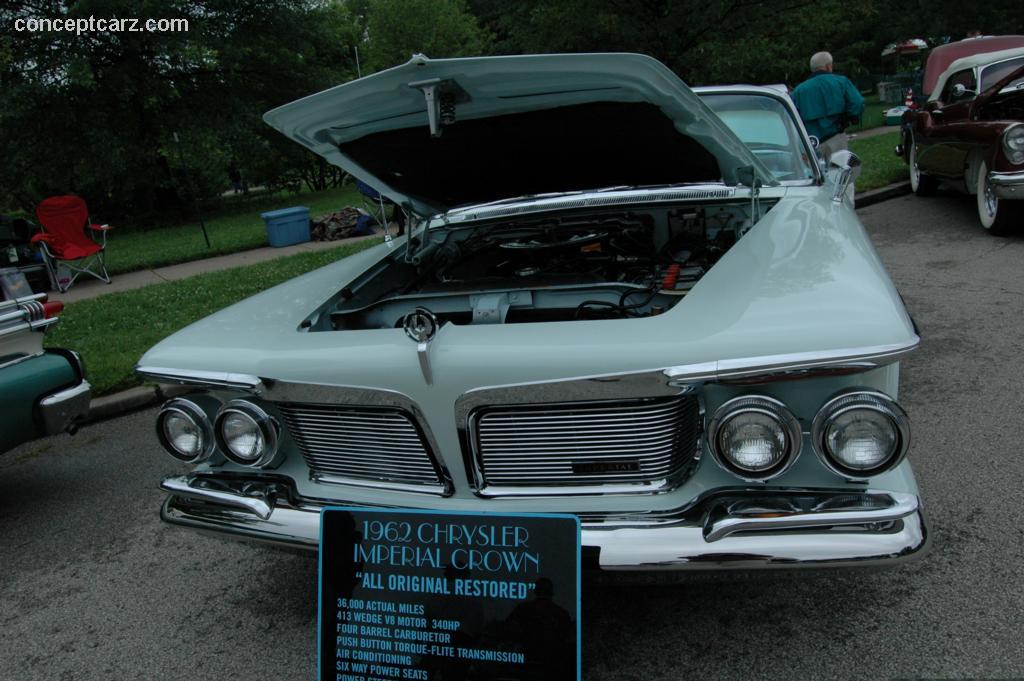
(197, 415)
(850, 400)
(1013, 143)
(267, 426)
(767, 406)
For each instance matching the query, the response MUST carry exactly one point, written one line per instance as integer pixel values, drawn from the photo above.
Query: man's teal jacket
(827, 103)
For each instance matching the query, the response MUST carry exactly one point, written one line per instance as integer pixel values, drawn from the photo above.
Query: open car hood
(434, 134)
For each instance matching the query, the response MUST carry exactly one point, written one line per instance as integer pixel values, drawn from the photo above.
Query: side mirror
(847, 165)
(960, 91)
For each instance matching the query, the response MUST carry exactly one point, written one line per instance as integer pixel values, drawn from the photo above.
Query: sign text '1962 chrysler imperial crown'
(653, 309)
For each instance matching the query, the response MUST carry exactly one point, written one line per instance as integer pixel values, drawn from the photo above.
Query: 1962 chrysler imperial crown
(608, 303)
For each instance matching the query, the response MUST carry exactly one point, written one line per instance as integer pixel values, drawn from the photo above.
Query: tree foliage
(396, 29)
(97, 113)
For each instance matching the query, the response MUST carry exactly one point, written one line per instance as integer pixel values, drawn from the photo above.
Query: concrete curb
(142, 397)
(873, 196)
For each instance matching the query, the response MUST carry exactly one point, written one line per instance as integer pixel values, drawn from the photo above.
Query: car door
(942, 149)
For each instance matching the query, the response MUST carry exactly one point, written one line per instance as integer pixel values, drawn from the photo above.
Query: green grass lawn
(880, 166)
(113, 331)
(235, 227)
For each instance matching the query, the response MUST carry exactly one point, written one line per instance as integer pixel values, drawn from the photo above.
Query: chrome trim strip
(216, 379)
(891, 531)
(793, 364)
(587, 199)
(15, 302)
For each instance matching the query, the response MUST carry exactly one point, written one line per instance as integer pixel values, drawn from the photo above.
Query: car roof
(980, 59)
(942, 56)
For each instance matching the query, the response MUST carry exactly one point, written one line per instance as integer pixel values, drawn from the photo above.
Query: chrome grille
(641, 445)
(363, 446)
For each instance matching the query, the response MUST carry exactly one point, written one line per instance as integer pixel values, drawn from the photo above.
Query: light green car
(608, 304)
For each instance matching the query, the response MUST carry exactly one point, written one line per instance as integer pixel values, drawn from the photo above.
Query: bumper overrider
(1007, 185)
(731, 529)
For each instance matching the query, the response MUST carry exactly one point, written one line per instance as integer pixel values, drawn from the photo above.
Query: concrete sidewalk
(87, 287)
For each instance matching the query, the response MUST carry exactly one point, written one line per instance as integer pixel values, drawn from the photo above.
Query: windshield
(996, 72)
(765, 125)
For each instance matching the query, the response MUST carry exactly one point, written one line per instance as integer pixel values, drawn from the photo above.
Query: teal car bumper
(41, 395)
(738, 529)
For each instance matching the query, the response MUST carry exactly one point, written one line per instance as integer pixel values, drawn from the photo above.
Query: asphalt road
(92, 586)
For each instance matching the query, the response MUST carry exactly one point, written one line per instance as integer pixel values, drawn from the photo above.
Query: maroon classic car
(970, 134)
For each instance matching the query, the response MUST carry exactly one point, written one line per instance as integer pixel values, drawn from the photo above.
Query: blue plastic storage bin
(287, 226)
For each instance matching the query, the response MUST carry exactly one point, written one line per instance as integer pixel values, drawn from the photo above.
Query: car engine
(612, 264)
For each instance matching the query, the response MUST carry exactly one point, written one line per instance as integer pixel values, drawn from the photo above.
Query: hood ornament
(421, 326)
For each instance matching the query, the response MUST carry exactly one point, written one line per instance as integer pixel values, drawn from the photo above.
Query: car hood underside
(434, 134)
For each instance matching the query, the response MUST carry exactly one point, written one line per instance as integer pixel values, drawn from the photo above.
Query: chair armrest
(41, 236)
(100, 228)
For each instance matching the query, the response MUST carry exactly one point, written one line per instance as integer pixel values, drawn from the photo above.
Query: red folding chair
(64, 240)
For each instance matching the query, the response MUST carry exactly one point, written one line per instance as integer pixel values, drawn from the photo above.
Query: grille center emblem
(421, 326)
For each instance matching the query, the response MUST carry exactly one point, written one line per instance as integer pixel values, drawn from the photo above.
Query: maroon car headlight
(185, 431)
(861, 433)
(1013, 143)
(246, 434)
(754, 437)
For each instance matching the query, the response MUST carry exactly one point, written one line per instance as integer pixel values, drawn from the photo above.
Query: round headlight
(862, 433)
(184, 430)
(246, 434)
(1013, 143)
(755, 437)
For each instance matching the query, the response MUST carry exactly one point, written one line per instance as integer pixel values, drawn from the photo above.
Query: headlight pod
(185, 431)
(246, 434)
(1013, 143)
(861, 433)
(754, 437)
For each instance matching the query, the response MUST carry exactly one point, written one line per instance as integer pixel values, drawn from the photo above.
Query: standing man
(827, 103)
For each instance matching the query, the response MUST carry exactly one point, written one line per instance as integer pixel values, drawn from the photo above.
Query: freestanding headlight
(754, 437)
(861, 433)
(246, 434)
(185, 431)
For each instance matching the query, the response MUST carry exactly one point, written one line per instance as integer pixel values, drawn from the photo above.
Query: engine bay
(608, 264)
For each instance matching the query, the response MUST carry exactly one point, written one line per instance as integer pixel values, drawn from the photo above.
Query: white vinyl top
(980, 59)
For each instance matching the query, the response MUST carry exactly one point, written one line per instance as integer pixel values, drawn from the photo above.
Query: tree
(95, 113)
(438, 28)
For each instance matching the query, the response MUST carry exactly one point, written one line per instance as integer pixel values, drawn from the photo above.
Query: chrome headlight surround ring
(194, 413)
(767, 406)
(1014, 155)
(267, 425)
(860, 399)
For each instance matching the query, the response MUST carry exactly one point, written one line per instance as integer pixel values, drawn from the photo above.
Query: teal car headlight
(1013, 143)
(754, 437)
(185, 431)
(246, 434)
(861, 433)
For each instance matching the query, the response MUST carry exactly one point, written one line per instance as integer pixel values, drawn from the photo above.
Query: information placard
(455, 596)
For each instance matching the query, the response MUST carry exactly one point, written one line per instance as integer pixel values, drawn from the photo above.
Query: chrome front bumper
(1007, 185)
(732, 530)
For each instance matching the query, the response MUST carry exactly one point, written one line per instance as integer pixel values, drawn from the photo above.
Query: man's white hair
(820, 61)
